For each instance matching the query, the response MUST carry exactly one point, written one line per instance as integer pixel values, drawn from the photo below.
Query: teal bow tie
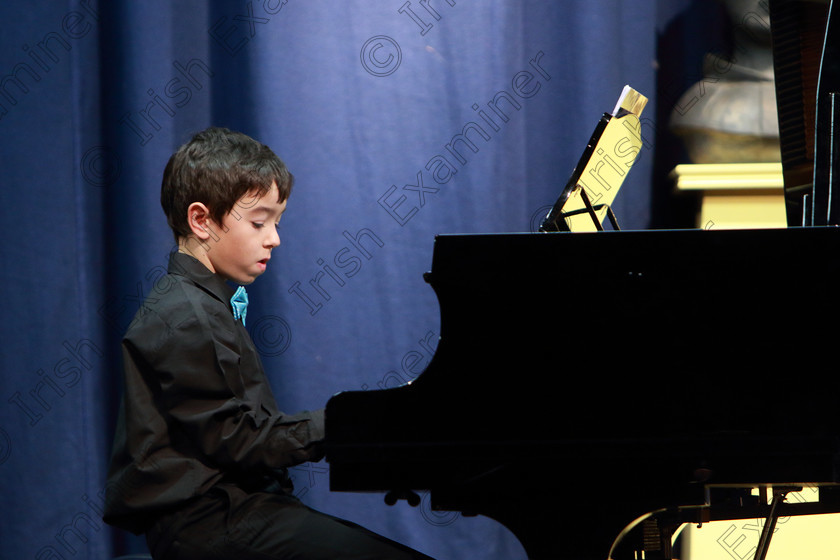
(239, 302)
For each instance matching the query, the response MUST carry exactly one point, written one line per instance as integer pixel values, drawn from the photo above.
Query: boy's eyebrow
(268, 210)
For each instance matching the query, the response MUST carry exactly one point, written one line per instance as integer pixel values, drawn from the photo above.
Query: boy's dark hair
(218, 167)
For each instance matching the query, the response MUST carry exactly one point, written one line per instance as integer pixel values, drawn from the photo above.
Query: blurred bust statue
(730, 115)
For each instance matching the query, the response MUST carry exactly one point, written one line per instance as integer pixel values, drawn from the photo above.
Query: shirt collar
(190, 267)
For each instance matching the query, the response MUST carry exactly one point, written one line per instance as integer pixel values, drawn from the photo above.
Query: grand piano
(595, 391)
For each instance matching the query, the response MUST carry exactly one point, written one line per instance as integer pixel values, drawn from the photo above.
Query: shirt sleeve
(217, 396)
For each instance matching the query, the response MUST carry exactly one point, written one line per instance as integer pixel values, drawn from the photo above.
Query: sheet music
(607, 159)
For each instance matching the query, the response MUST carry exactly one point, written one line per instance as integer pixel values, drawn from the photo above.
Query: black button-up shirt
(197, 409)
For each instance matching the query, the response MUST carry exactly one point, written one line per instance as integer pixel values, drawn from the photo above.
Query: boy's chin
(242, 280)
(242, 275)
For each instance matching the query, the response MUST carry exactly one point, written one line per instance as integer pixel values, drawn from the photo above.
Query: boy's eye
(257, 225)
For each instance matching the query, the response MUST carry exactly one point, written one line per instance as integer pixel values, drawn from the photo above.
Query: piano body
(594, 391)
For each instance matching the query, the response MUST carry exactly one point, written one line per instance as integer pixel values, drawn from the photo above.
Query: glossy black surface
(572, 366)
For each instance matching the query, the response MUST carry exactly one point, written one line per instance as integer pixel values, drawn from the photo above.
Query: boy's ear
(198, 218)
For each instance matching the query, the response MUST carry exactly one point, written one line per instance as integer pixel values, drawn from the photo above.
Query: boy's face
(241, 245)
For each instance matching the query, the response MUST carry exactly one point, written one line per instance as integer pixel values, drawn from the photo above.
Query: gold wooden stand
(735, 195)
(811, 537)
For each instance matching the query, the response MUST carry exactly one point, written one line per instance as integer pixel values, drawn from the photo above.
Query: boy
(201, 451)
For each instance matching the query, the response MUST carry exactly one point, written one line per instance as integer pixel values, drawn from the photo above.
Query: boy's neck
(193, 247)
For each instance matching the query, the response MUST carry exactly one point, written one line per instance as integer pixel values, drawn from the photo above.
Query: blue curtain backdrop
(365, 102)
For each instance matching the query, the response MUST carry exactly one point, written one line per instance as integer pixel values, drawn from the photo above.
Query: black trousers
(228, 523)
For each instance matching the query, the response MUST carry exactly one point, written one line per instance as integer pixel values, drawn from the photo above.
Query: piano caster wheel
(409, 496)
